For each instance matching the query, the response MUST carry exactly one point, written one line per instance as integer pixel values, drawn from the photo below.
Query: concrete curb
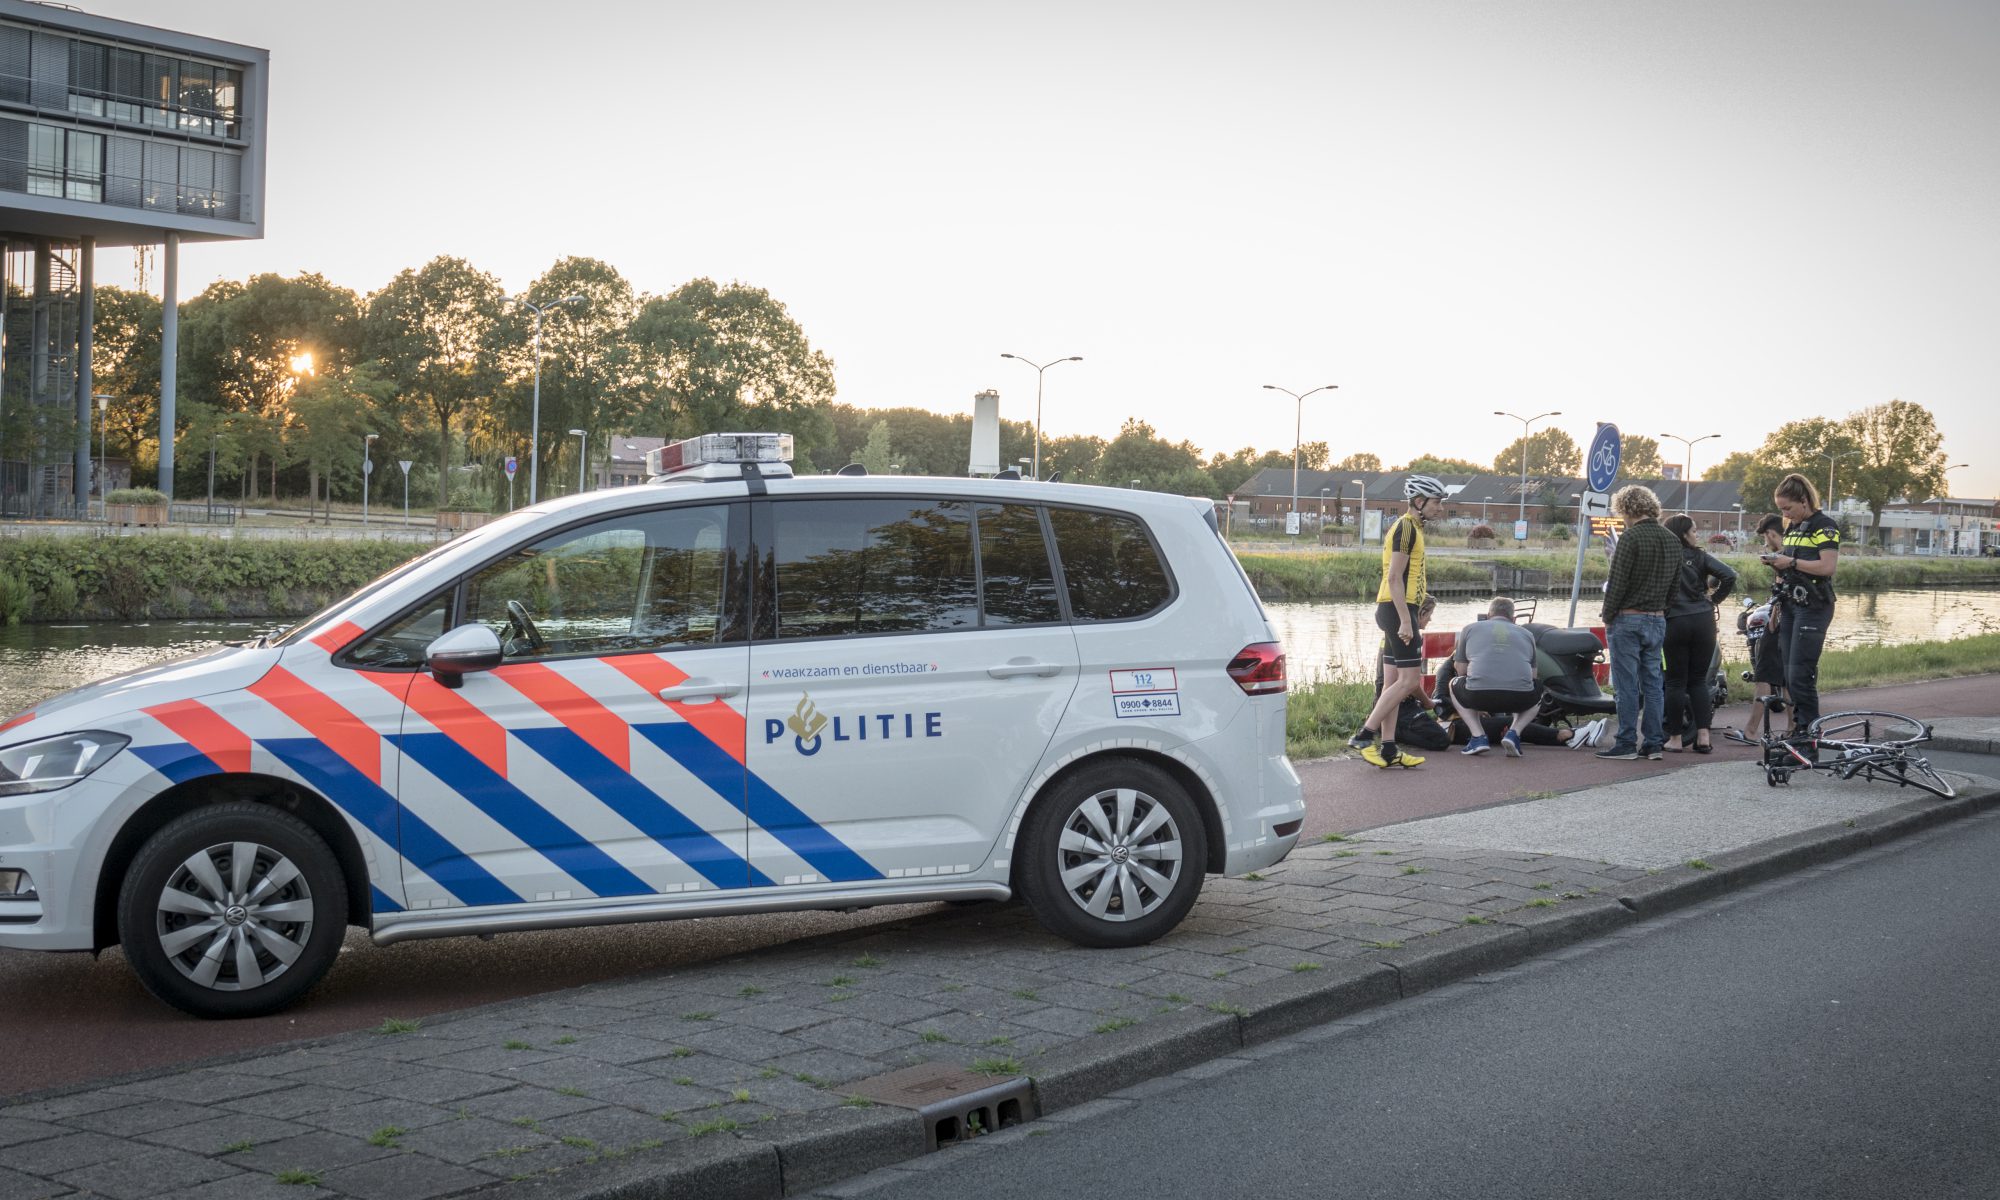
(1965, 745)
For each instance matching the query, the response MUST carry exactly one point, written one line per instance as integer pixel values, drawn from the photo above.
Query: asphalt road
(68, 1018)
(1826, 1037)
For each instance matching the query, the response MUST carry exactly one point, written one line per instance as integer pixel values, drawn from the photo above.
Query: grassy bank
(166, 575)
(1322, 716)
(1354, 575)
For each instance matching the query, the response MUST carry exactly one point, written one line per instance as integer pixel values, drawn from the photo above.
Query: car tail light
(1259, 669)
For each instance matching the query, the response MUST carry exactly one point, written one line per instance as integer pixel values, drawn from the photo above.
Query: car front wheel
(1114, 855)
(232, 911)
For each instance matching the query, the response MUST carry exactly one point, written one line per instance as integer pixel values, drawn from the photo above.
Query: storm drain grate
(954, 1104)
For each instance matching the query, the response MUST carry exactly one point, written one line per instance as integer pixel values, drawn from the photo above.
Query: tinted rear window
(1019, 587)
(873, 566)
(1109, 565)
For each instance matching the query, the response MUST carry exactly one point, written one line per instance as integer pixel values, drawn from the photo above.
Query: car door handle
(700, 689)
(1023, 666)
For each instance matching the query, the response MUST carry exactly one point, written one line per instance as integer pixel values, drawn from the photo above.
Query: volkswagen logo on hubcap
(1120, 853)
(236, 914)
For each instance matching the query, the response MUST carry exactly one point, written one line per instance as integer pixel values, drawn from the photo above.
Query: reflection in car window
(1109, 565)
(873, 566)
(638, 581)
(403, 643)
(1017, 586)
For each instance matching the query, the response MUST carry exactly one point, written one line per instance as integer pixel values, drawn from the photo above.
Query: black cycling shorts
(1488, 700)
(1395, 651)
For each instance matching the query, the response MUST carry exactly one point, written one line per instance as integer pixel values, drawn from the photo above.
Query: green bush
(17, 599)
(135, 496)
(59, 599)
(130, 577)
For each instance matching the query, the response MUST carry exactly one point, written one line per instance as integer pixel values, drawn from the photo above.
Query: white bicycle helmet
(1422, 485)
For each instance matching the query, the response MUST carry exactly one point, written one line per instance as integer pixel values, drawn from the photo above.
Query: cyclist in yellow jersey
(1396, 601)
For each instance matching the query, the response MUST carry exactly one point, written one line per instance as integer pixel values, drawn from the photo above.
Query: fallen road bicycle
(1871, 745)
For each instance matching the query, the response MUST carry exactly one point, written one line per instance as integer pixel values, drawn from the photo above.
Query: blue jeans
(1635, 643)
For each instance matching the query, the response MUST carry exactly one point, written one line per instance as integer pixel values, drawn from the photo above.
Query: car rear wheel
(232, 911)
(1114, 855)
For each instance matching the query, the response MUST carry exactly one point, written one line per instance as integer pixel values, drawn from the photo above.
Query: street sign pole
(1600, 472)
(513, 464)
(406, 464)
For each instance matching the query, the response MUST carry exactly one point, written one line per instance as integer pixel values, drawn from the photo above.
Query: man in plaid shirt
(1635, 621)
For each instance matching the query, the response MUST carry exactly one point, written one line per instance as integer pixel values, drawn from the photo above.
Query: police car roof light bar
(719, 449)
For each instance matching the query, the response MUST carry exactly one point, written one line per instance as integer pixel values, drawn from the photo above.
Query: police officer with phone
(1804, 566)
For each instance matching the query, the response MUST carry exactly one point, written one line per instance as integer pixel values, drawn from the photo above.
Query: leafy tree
(1550, 452)
(1230, 472)
(1639, 458)
(1731, 469)
(589, 377)
(878, 454)
(125, 365)
(1078, 457)
(1359, 462)
(1139, 453)
(1797, 446)
(1902, 455)
(331, 412)
(711, 356)
(245, 345)
(1431, 464)
(433, 332)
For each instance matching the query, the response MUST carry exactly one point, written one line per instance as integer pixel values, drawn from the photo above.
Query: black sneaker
(1651, 754)
(1362, 739)
(1623, 753)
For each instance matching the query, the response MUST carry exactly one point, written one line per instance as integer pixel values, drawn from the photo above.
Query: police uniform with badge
(1807, 601)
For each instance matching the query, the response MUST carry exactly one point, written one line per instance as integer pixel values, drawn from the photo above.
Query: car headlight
(49, 764)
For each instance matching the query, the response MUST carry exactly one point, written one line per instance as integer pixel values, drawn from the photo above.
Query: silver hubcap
(1120, 855)
(235, 916)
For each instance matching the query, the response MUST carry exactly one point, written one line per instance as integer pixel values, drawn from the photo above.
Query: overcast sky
(1703, 216)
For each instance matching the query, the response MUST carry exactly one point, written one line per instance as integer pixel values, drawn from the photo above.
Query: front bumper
(42, 835)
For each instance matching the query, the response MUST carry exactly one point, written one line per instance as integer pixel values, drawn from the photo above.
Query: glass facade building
(111, 134)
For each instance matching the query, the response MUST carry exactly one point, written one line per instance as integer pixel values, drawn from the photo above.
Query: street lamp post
(1832, 458)
(1131, 484)
(1038, 399)
(582, 454)
(1738, 506)
(1322, 508)
(1482, 508)
(535, 415)
(1520, 533)
(212, 435)
(1360, 508)
(1298, 428)
(367, 471)
(1687, 471)
(104, 439)
(1940, 504)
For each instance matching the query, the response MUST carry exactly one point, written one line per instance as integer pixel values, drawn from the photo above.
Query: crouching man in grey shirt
(1496, 674)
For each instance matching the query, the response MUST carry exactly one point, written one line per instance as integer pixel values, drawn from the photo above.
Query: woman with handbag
(1702, 583)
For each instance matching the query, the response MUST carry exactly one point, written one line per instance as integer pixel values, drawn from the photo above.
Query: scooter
(1565, 662)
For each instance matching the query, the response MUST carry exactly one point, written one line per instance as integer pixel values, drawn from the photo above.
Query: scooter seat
(1570, 641)
(1596, 703)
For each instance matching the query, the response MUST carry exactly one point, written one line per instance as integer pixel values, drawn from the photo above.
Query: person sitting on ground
(1495, 661)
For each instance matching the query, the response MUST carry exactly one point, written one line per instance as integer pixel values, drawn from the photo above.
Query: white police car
(729, 690)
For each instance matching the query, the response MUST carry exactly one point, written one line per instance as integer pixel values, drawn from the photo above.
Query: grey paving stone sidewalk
(525, 1088)
(690, 1066)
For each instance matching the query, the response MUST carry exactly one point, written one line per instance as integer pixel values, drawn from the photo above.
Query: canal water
(1321, 640)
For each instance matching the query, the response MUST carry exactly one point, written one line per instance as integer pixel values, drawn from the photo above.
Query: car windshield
(498, 529)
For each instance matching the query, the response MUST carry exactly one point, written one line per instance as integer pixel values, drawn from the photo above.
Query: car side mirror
(462, 651)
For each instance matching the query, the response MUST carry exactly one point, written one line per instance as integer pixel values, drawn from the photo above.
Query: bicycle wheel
(1885, 729)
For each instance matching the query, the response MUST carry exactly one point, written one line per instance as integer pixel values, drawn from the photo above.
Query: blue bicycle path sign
(1603, 460)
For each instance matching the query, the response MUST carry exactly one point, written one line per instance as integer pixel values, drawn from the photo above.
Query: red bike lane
(1344, 794)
